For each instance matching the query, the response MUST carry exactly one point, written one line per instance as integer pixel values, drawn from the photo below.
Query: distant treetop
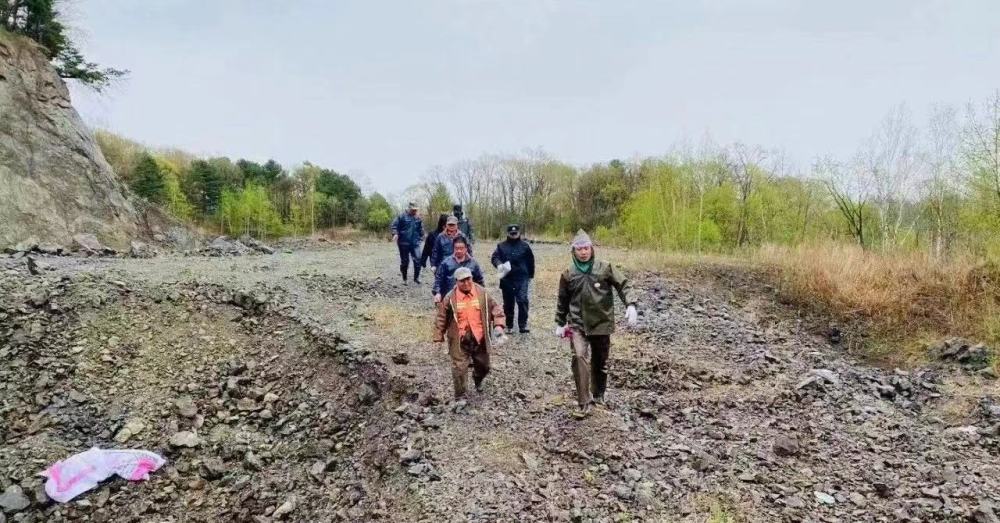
(39, 21)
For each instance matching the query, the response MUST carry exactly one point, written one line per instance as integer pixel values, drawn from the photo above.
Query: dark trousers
(515, 291)
(462, 353)
(409, 252)
(590, 365)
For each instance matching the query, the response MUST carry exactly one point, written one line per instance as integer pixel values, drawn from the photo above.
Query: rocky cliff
(54, 181)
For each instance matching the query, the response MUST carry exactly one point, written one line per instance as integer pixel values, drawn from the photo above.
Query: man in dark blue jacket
(444, 278)
(514, 257)
(407, 231)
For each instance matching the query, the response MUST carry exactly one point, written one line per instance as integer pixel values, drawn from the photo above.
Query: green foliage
(204, 187)
(148, 181)
(379, 214)
(249, 211)
(40, 21)
(440, 202)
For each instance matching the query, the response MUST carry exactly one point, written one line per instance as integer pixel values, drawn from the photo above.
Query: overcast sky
(386, 89)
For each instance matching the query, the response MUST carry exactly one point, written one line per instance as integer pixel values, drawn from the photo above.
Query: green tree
(40, 21)
(379, 214)
(147, 179)
(343, 195)
(204, 187)
(439, 202)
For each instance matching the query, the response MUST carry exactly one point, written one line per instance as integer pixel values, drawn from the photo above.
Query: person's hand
(395, 238)
(433, 269)
(437, 298)
(561, 331)
(631, 316)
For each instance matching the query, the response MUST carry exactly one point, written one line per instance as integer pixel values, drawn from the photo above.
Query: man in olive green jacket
(585, 313)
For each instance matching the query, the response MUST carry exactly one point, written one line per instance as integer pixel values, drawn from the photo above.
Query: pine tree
(148, 180)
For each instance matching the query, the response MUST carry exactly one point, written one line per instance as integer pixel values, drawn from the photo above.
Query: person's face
(413, 212)
(461, 251)
(465, 285)
(513, 235)
(583, 253)
(451, 228)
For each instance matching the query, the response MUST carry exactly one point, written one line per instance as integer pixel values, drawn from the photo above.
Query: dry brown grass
(902, 300)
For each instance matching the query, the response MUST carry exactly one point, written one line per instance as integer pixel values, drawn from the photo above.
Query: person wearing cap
(407, 232)
(464, 225)
(444, 278)
(467, 315)
(585, 313)
(431, 237)
(514, 257)
(444, 242)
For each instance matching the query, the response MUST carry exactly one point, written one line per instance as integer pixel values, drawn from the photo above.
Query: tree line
(243, 196)
(932, 187)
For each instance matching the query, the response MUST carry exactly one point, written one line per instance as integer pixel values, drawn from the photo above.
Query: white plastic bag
(81, 472)
(503, 269)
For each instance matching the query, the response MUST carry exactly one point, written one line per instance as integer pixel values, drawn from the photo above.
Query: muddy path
(722, 407)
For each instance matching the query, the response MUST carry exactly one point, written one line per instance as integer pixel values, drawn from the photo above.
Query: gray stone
(825, 498)
(186, 407)
(185, 439)
(131, 428)
(214, 468)
(794, 502)
(984, 513)
(411, 456)
(89, 244)
(253, 462)
(285, 508)
(14, 500)
(623, 491)
(138, 249)
(786, 446)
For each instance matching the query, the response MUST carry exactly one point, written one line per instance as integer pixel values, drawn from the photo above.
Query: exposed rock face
(54, 181)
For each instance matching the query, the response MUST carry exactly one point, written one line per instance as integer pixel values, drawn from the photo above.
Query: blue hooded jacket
(444, 278)
(409, 229)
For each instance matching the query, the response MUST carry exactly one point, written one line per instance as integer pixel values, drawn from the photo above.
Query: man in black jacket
(514, 257)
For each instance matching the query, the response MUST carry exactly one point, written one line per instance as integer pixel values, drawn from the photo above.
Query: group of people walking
(473, 322)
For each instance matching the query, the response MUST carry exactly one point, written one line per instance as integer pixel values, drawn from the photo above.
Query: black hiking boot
(525, 330)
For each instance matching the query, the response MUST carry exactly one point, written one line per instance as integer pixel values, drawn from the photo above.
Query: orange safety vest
(468, 313)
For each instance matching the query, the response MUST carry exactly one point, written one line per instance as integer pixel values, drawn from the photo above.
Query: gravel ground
(312, 391)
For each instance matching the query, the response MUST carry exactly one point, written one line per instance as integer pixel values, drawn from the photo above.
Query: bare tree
(981, 150)
(889, 159)
(941, 183)
(851, 192)
(745, 165)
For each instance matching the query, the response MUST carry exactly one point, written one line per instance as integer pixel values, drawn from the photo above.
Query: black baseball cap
(512, 228)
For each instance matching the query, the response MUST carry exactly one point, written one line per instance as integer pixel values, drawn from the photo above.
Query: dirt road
(313, 391)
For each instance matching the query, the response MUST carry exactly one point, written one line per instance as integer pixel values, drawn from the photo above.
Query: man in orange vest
(468, 315)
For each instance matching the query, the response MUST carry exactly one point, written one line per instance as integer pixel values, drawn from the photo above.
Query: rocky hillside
(54, 182)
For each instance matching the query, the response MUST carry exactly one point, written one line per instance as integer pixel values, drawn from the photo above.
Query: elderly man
(585, 313)
(407, 232)
(514, 258)
(467, 315)
(444, 278)
(445, 242)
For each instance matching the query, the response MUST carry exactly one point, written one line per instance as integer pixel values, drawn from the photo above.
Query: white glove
(499, 338)
(503, 269)
(437, 298)
(561, 331)
(631, 316)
